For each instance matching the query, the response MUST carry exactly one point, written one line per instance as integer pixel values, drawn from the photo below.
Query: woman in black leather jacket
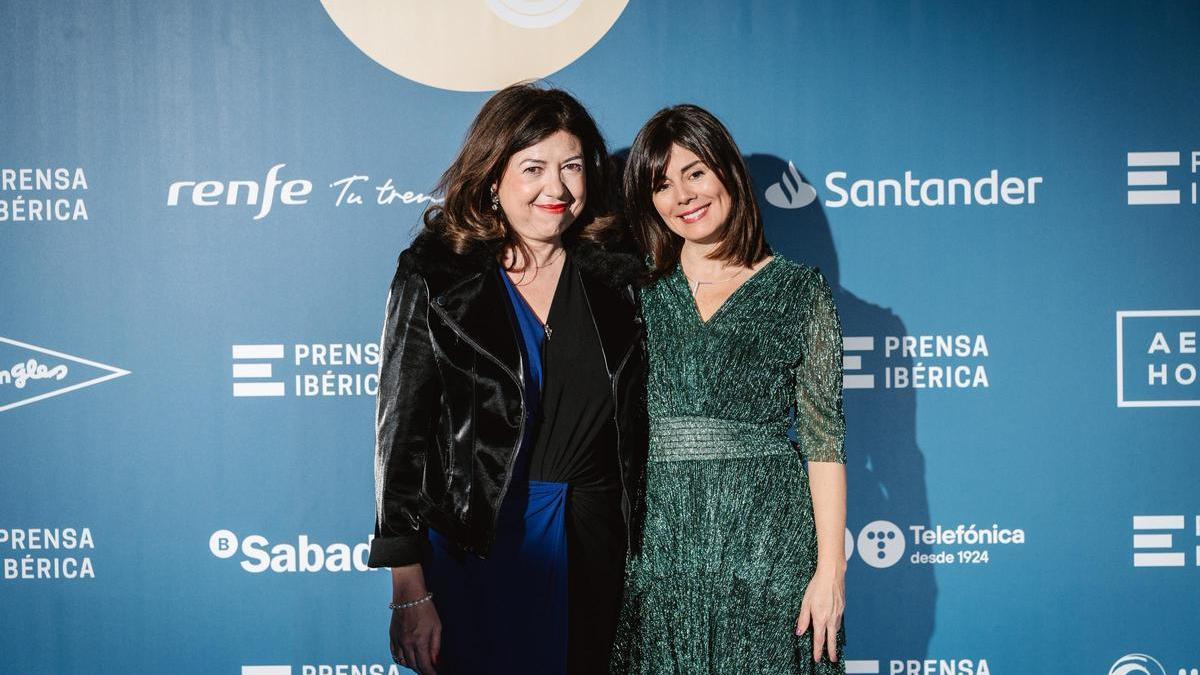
(510, 426)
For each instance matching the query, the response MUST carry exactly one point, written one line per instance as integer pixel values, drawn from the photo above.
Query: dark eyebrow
(690, 165)
(542, 161)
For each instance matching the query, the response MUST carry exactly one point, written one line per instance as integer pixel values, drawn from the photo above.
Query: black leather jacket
(450, 410)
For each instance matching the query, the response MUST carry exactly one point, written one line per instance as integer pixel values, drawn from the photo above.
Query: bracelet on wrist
(411, 603)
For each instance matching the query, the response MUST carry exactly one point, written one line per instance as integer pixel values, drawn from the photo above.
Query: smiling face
(691, 199)
(543, 188)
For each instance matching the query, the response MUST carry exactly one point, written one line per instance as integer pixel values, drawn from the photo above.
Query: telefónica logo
(881, 544)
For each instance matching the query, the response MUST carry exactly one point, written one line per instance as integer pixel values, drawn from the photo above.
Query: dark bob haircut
(696, 129)
(513, 119)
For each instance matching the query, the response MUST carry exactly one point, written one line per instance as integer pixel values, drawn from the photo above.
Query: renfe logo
(209, 192)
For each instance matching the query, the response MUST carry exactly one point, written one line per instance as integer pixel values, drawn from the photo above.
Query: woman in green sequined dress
(741, 564)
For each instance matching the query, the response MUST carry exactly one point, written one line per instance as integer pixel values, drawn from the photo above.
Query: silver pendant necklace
(695, 285)
(549, 261)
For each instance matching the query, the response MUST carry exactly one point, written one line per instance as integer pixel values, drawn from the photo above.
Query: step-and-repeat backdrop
(201, 205)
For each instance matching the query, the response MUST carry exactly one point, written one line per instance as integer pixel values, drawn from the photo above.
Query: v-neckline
(704, 323)
(558, 285)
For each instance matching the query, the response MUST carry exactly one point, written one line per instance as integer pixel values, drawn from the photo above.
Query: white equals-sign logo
(1143, 541)
(862, 667)
(250, 370)
(1151, 172)
(851, 362)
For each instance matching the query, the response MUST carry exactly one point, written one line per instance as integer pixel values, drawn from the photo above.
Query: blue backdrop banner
(201, 206)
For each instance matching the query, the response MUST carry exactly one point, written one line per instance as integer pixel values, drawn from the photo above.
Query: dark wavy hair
(513, 119)
(696, 129)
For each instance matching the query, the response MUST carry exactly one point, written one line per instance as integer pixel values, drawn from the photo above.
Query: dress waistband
(693, 438)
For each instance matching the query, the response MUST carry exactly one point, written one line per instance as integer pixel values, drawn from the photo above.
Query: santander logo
(791, 192)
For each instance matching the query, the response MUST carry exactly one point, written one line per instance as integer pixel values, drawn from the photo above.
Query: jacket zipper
(520, 428)
(616, 415)
(621, 469)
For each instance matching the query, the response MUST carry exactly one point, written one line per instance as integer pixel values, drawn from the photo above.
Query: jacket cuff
(395, 551)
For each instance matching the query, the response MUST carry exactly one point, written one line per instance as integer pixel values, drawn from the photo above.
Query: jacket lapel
(617, 323)
(478, 308)
(468, 292)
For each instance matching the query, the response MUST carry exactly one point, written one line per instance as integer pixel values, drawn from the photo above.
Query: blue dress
(508, 613)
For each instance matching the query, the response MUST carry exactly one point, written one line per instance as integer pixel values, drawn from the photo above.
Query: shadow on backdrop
(890, 610)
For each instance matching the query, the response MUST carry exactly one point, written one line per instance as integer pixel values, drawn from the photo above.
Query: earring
(495, 200)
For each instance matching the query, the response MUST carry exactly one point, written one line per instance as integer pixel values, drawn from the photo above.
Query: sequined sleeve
(820, 423)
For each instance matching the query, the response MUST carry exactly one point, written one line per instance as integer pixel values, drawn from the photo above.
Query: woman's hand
(415, 634)
(825, 598)
(822, 607)
(416, 637)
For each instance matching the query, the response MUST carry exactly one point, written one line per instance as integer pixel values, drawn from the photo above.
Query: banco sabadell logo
(1137, 664)
(305, 555)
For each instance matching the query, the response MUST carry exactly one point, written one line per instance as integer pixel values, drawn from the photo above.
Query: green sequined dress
(729, 542)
